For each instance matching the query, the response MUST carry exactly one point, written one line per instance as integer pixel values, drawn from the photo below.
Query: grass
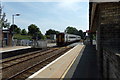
(19, 37)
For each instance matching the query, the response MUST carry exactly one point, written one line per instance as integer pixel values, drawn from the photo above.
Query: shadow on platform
(85, 66)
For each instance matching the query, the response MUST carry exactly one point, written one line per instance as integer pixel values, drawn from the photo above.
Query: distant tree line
(73, 30)
(35, 33)
(51, 32)
(16, 30)
(69, 30)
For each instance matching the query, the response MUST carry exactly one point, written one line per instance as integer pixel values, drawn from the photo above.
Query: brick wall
(108, 39)
(111, 63)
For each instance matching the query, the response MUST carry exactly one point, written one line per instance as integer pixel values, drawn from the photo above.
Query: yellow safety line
(68, 68)
(63, 76)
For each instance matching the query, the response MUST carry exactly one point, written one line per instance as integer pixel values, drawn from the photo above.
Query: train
(65, 39)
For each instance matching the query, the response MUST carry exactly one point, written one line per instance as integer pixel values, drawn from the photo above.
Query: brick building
(5, 38)
(105, 24)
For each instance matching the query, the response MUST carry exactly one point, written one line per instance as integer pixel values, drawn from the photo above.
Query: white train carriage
(63, 38)
(71, 37)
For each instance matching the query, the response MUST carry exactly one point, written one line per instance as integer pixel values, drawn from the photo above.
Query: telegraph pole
(0, 25)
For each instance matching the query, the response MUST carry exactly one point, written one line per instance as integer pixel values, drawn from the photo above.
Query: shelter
(5, 38)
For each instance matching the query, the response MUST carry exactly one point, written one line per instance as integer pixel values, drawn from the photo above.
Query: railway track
(24, 66)
(6, 55)
(16, 60)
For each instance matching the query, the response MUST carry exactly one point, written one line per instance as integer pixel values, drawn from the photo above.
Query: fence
(35, 44)
(40, 44)
(22, 43)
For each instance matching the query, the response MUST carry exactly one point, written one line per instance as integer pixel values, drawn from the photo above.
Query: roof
(104, 0)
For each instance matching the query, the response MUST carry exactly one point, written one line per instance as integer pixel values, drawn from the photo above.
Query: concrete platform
(7, 49)
(76, 43)
(58, 68)
(85, 66)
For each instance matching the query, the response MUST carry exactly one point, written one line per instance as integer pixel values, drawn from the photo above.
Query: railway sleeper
(45, 62)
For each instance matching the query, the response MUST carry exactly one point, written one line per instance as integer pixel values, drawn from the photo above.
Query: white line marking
(15, 49)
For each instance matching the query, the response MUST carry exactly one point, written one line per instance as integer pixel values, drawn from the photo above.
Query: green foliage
(73, 30)
(51, 31)
(32, 29)
(81, 34)
(6, 25)
(40, 35)
(19, 37)
(24, 32)
(47, 36)
(3, 21)
(35, 32)
(14, 28)
(94, 37)
(18, 30)
(44, 37)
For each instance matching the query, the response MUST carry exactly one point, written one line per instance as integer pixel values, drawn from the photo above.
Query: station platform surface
(85, 66)
(76, 43)
(6, 49)
(80, 63)
(59, 67)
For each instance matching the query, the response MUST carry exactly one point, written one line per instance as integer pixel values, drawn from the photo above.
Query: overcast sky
(49, 15)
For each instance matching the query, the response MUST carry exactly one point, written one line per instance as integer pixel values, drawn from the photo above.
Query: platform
(58, 68)
(85, 66)
(7, 49)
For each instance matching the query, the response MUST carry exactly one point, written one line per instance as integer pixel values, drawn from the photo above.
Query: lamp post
(14, 18)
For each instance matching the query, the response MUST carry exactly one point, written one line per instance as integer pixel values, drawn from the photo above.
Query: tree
(81, 33)
(18, 30)
(3, 21)
(14, 28)
(24, 32)
(51, 31)
(35, 32)
(71, 30)
(32, 29)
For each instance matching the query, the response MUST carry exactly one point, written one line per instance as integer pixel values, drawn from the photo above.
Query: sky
(49, 15)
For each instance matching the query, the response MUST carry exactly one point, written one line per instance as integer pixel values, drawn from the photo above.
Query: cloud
(71, 5)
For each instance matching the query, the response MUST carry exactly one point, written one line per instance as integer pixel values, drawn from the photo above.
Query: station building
(5, 38)
(105, 24)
